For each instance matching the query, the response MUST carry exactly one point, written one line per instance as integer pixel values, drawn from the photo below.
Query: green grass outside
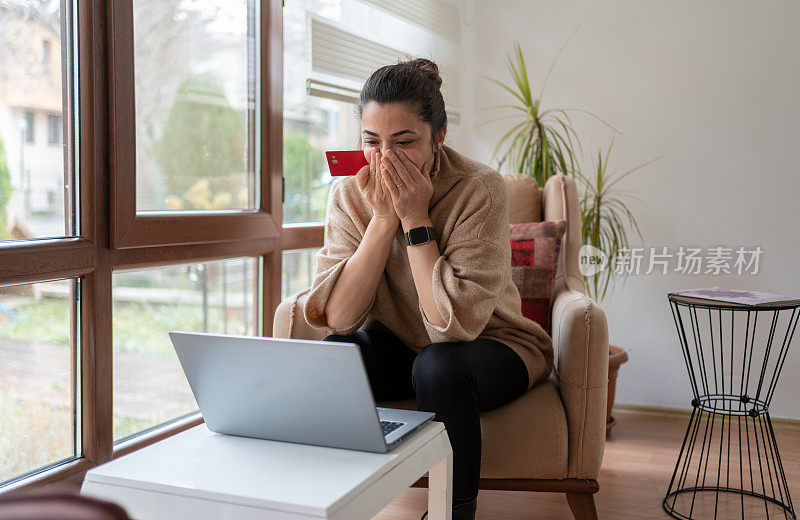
(36, 435)
(138, 327)
(32, 436)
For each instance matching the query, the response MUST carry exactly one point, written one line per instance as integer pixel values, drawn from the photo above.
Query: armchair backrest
(557, 200)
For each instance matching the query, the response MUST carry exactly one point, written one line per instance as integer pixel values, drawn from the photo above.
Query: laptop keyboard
(390, 426)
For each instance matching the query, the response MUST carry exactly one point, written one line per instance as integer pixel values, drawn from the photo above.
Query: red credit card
(345, 162)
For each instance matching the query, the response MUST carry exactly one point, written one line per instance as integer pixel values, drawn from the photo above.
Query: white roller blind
(339, 53)
(438, 16)
(342, 53)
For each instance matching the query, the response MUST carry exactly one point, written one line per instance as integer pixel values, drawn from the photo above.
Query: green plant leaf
(506, 136)
(493, 120)
(593, 115)
(636, 168)
(509, 89)
(523, 72)
(515, 107)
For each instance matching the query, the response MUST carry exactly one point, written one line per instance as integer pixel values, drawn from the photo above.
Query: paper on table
(736, 296)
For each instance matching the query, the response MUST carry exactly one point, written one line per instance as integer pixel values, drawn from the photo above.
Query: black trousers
(455, 380)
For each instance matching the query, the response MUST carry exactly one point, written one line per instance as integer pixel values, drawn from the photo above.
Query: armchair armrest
(290, 321)
(580, 340)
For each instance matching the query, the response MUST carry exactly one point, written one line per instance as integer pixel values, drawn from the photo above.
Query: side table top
(261, 473)
(703, 302)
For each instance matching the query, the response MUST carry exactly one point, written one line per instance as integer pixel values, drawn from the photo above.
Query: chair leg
(582, 506)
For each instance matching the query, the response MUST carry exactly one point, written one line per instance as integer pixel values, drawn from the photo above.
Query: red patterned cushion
(534, 258)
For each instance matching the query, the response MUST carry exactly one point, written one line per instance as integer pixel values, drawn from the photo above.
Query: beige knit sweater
(472, 283)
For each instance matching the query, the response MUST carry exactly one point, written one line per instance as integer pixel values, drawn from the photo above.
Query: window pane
(298, 270)
(36, 175)
(195, 90)
(37, 377)
(149, 385)
(311, 124)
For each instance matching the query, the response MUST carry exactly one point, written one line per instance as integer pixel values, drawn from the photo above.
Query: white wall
(713, 87)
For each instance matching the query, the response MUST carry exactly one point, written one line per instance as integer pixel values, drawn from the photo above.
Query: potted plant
(542, 143)
(603, 212)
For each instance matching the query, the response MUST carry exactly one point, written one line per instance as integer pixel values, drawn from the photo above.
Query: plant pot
(616, 357)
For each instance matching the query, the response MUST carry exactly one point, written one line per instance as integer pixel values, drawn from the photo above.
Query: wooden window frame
(131, 229)
(113, 238)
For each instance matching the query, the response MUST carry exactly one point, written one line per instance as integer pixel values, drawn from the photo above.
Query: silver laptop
(310, 392)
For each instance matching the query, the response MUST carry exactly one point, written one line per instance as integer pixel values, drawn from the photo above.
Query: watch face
(417, 235)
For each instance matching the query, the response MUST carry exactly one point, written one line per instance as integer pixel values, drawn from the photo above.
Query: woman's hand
(373, 188)
(411, 189)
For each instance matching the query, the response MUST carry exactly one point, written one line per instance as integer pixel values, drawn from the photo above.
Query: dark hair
(413, 81)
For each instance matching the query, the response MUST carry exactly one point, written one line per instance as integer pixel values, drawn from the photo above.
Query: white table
(199, 474)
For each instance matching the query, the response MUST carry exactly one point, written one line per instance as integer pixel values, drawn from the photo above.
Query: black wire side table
(729, 465)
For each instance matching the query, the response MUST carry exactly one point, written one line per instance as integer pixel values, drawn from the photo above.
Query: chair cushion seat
(526, 438)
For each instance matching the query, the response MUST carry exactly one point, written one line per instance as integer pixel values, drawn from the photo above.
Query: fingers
(379, 184)
(388, 169)
(398, 169)
(426, 174)
(384, 179)
(373, 167)
(412, 169)
(391, 187)
(362, 177)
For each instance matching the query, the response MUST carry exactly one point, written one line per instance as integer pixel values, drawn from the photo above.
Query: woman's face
(395, 126)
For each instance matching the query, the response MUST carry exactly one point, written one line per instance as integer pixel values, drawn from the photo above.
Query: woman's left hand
(411, 189)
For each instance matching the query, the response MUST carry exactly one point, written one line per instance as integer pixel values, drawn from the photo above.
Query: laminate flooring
(638, 463)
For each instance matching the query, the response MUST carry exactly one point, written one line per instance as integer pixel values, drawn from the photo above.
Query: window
(29, 126)
(330, 48)
(37, 182)
(45, 56)
(149, 385)
(131, 228)
(128, 265)
(41, 313)
(38, 377)
(311, 124)
(54, 129)
(209, 129)
(298, 271)
(196, 133)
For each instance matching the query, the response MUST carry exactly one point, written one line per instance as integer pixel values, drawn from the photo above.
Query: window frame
(133, 229)
(113, 238)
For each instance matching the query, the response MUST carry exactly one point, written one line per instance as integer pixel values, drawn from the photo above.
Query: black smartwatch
(419, 235)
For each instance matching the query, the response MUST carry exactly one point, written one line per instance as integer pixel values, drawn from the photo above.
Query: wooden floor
(639, 459)
(637, 466)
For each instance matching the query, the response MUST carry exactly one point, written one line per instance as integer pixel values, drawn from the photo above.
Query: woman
(437, 318)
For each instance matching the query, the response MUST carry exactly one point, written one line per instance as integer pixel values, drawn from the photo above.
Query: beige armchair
(552, 437)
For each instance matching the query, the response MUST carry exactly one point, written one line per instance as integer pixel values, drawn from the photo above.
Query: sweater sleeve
(471, 274)
(342, 238)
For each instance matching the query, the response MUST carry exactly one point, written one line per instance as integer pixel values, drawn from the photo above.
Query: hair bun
(427, 66)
